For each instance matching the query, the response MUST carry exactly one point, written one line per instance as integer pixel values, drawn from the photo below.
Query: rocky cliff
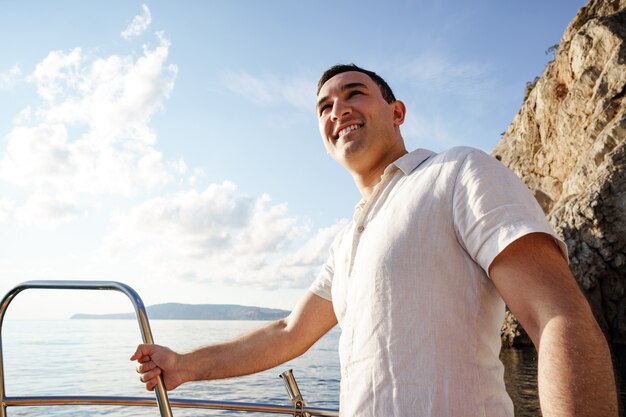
(568, 144)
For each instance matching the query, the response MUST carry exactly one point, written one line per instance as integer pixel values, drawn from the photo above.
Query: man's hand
(155, 360)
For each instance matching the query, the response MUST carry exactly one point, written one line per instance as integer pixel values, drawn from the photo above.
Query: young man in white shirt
(418, 282)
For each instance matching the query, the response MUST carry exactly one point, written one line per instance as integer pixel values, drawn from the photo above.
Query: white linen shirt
(420, 317)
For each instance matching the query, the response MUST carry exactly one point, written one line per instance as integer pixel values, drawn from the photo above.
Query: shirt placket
(360, 219)
(361, 215)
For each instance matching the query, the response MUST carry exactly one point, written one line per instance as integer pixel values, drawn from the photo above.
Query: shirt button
(360, 229)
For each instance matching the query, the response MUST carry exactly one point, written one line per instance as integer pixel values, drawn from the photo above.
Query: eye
(354, 93)
(323, 108)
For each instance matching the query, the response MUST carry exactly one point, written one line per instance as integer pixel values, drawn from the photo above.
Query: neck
(367, 180)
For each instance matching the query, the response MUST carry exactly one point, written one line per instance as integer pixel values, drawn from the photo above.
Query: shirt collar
(408, 162)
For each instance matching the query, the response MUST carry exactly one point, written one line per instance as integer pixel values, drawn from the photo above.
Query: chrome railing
(298, 408)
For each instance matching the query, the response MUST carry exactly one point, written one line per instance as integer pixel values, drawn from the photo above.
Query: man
(418, 281)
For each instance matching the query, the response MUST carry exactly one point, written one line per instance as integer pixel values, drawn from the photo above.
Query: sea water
(91, 357)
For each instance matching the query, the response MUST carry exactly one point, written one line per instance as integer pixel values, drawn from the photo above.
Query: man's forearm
(259, 350)
(264, 348)
(575, 371)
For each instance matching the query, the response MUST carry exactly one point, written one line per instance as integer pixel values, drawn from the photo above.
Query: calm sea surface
(90, 357)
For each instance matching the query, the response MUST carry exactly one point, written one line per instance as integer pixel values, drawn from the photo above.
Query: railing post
(295, 396)
(3, 306)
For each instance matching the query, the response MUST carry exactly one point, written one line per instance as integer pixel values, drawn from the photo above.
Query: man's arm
(575, 371)
(261, 349)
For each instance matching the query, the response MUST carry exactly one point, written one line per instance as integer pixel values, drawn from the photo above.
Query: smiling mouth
(348, 129)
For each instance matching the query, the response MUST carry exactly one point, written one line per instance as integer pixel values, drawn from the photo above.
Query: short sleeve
(322, 286)
(493, 208)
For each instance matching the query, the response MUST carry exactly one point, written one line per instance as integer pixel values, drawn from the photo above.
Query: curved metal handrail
(140, 312)
(161, 400)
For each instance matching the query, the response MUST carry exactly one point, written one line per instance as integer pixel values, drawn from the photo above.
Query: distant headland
(177, 311)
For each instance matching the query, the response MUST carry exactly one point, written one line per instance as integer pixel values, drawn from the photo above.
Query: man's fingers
(145, 366)
(150, 385)
(140, 352)
(150, 378)
(147, 376)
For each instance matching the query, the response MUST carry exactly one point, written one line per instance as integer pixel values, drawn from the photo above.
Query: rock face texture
(568, 144)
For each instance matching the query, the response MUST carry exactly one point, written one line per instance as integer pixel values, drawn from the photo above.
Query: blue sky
(174, 146)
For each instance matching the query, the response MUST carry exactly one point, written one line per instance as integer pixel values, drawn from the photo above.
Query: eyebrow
(344, 87)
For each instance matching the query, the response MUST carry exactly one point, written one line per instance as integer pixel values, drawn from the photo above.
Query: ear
(399, 111)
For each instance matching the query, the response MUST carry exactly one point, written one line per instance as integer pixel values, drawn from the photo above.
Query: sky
(174, 146)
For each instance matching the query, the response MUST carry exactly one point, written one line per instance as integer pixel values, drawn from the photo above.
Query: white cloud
(139, 24)
(9, 77)
(218, 235)
(249, 87)
(305, 262)
(92, 135)
(6, 209)
(24, 116)
(296, 91)
(437, 73)
(39, 154)
(115, 96)
(44, 210)
(196, 176)
(58, 72)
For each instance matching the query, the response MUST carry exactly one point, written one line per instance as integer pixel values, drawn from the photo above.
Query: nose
(340, 109)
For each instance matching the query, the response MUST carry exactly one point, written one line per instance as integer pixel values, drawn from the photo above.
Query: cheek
(327, 145)
(325, 141)
(324, 130)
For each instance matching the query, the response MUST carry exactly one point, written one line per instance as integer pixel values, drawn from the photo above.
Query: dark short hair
(340, 68)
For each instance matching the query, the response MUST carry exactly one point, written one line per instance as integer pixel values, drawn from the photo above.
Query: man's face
(356, 123)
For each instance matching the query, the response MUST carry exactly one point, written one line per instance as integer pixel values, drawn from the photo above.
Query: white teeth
(348, 129)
